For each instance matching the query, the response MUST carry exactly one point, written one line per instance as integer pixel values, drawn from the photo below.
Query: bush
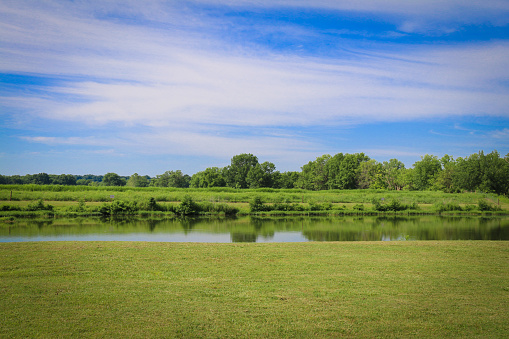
(6, 208)
(187, 206)
(359, 207)
(444, 207)
(79, 209)
(256, 205)
(39, 206)
(487, 206)
(118, 207)
(394, 205)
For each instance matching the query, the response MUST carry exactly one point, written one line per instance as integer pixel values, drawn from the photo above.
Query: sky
(127, 86)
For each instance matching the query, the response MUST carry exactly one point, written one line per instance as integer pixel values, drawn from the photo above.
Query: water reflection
(256, 229)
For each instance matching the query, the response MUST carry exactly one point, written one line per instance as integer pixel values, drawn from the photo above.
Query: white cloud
(250, 91)
(501, 134)
(175, 75)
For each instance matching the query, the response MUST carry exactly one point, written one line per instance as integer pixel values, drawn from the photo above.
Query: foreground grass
(135, 289)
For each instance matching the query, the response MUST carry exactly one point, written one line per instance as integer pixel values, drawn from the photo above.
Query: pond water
(256, 229)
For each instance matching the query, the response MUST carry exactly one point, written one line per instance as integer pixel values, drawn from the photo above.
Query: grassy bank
(397, 289)
(67, 200)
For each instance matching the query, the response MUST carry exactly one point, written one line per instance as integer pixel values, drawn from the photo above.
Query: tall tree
(261, 175)
(236, 173)
(495, 174)
(370, 175)
(137, 180)
(425, 171)
(210, 177)
(314, 175)
(171, 179)
(286, 179)
(444, 181)
(392, 174)
(343, 170)
(113, 179)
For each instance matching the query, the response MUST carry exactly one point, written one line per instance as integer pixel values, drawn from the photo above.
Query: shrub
(487, 206)
(187, 206)
(6, 208)
(256, 205)
(39, 206)
(359, 207)
(449, 206)
(118, 207)
(393, 205)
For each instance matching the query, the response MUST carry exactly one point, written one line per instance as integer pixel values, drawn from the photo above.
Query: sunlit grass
(397, 289)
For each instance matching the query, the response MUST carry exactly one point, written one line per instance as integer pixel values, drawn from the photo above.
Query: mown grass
(134, 289)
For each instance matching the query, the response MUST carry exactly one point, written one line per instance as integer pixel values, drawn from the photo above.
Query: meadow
(87, 199)
(348, 289)
(319, 289)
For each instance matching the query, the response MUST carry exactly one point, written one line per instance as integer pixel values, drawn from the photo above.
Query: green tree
(113, 179)
(286, 179)
(425, 172)
(495, 173)
(210, 177)
(314, 174)
(392, 171)
(370, 175)
(38, 179)
(83, 182)
(171, 179)
(236, 173)
(137, 180)
(261, 175)
(63, 179)
(445, 179)
(343, 170)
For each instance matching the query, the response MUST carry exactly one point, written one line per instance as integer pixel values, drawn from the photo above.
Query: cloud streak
(176, 71)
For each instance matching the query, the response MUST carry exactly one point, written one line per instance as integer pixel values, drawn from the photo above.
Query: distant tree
(39, 179)
(83, 182)
(63, 179)
(236, 173)
(17, 180)
(90, 178)
(444, 181)
(343, 170)
(392, 174)
(113, 179)
(370, 175)
(286, 179)
(314, 174)
(261, 175)
(487, 173)
(425, 172)
(137, 180)
(210, 177)
(171, 179)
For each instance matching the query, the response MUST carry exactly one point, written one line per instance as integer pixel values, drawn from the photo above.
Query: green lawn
(300, 290)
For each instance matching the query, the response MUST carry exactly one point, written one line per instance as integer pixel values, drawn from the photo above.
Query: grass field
(65, 199)
(349, 289)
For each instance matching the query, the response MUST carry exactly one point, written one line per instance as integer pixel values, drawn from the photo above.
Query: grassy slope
(64, 197)
(135, 289)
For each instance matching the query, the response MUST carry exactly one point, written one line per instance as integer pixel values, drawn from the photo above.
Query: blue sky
(149, 86)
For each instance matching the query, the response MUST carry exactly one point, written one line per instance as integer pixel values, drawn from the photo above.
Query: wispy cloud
(180, 74)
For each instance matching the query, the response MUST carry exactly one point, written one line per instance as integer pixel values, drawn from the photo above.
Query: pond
(259, 229)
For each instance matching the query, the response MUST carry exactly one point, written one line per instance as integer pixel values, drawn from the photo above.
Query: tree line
(477, 172)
